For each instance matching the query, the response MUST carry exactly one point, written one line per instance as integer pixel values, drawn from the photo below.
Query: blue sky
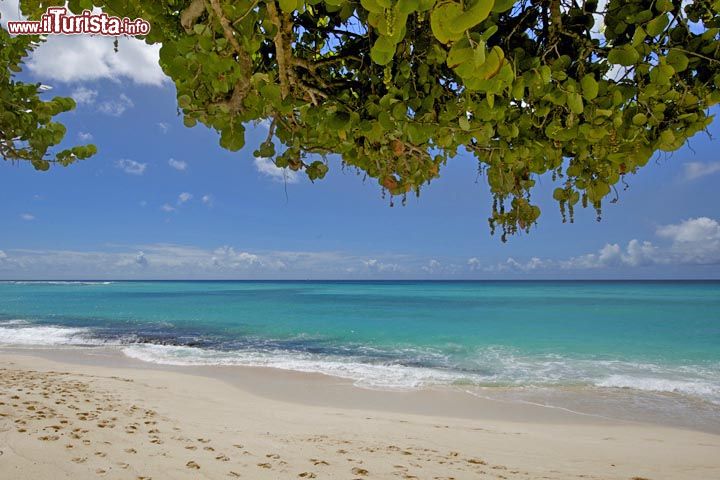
(164, 201)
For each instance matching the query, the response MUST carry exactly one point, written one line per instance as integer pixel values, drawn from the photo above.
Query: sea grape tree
(27, 129)
(583, 91)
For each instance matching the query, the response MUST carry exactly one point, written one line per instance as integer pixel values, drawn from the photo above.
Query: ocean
(638, 345)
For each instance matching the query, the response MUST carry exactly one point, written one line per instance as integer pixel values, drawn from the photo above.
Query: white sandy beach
(61, 416)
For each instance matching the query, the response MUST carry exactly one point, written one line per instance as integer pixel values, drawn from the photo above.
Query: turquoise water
(647, 336)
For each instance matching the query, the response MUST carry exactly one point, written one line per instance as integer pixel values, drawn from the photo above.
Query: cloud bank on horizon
(694, 242)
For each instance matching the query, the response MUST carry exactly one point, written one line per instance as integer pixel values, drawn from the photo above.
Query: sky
(162, 201)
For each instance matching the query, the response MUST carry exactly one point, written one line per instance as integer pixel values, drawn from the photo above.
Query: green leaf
(233, 139)
(678, 60)
(575, 102)
(184, 101)
(460, 53)
(625, 55)
(590, 87)
(639, 119)
(657, 25)
(383, 51)
(503, 5)
(661, 74)
(288, 6)
(442, 19)
(478, 12)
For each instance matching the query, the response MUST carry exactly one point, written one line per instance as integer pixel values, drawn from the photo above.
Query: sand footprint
(192, 465)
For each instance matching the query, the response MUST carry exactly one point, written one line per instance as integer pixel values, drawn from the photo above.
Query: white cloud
(73, 58)
(141, 260)
(3, 255)
(701, 229)
(116, 107)
(227, 257)
(127, 260)
(184, 197)
(376, 266)
(84, 96)
(131, 166)
(9, 10)
(166, 207)
(640, 253)
(636, 254)
(178, 261)
(433, 266)
(534, 264)
(164, 127)
(694, 241)
(28, 217)
(179, 165)
(267, 167)
(608, 255)
(80, 58)
(695, 170)
(85, 136)
(208, 200)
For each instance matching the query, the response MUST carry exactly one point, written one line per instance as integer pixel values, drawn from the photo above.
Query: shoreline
(177, 419)
(324, 390)
(535, 404)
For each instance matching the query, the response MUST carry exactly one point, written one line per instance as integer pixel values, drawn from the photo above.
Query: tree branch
(189, 16)
(242, 87)
(281, 53)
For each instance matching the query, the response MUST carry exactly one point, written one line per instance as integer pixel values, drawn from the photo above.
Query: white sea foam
(362, 374)
(14, 321)
(510, 370)
(44, 336)
(491, 367)
(698, 388)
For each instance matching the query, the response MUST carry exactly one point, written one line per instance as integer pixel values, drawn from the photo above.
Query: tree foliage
(27, 131)
(582, 91)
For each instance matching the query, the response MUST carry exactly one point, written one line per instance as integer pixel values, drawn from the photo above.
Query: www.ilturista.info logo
(58, 21)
